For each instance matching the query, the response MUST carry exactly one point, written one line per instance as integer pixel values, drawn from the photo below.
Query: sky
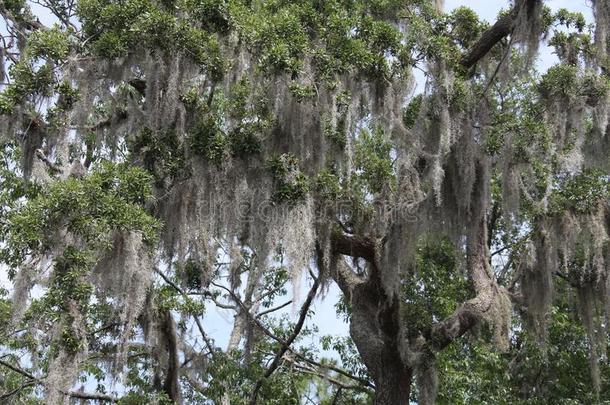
(218, 322)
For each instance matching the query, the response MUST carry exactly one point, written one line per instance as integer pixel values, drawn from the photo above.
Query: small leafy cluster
(441, 37)
(435, 288)
(340, 36)
(209, 140)
(567, 83)
(328, 185)
(519, 116)
(111, 198)
(161, 152)
(581, 193)
(69, 284)
(337, 131)
(569, 46)
(464, 26)
(233, 125)
(120, 29)
(411, 112)
(570, 19)
(373, 162)
(292, 184)
(51, 44)
(373, 174)
(30, 75)
(67, 95)
(27, 83)
(302, 92)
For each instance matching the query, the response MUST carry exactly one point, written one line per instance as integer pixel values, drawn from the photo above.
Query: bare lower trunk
(393, 386)
(171, 384)
(375, 329)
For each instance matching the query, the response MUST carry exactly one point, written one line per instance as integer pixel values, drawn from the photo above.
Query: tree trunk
(171, 386)
(375, 329)
(393, 385)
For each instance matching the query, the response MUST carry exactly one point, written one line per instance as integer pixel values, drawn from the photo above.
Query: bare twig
(281, 341)
(16, 390)
(18, 370)
(204, 335)
(285, 346)
(39, 381)
(270, 310)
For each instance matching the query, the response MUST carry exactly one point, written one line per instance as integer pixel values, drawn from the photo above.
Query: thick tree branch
(53, 168)
(503, 27)
(476, 309)
(355, 246)
(92, 397)
(488, 292)
(453, 327)
(345, 277)
(171, 385)
(490, 38)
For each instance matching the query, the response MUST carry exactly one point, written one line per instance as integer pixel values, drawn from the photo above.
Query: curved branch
(312, 371)
(455, 326)
(487, 290)
(355, 246)
(273, 309)
(16, 390)
(503, 27)
(19, 370)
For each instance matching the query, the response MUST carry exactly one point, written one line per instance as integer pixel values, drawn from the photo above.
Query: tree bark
(171, 385)
(375, 328)
(394, 387)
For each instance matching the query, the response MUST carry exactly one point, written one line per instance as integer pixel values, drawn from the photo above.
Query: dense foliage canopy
(165, 159)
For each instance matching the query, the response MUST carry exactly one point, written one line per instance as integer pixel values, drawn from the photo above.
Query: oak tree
(162, 158)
